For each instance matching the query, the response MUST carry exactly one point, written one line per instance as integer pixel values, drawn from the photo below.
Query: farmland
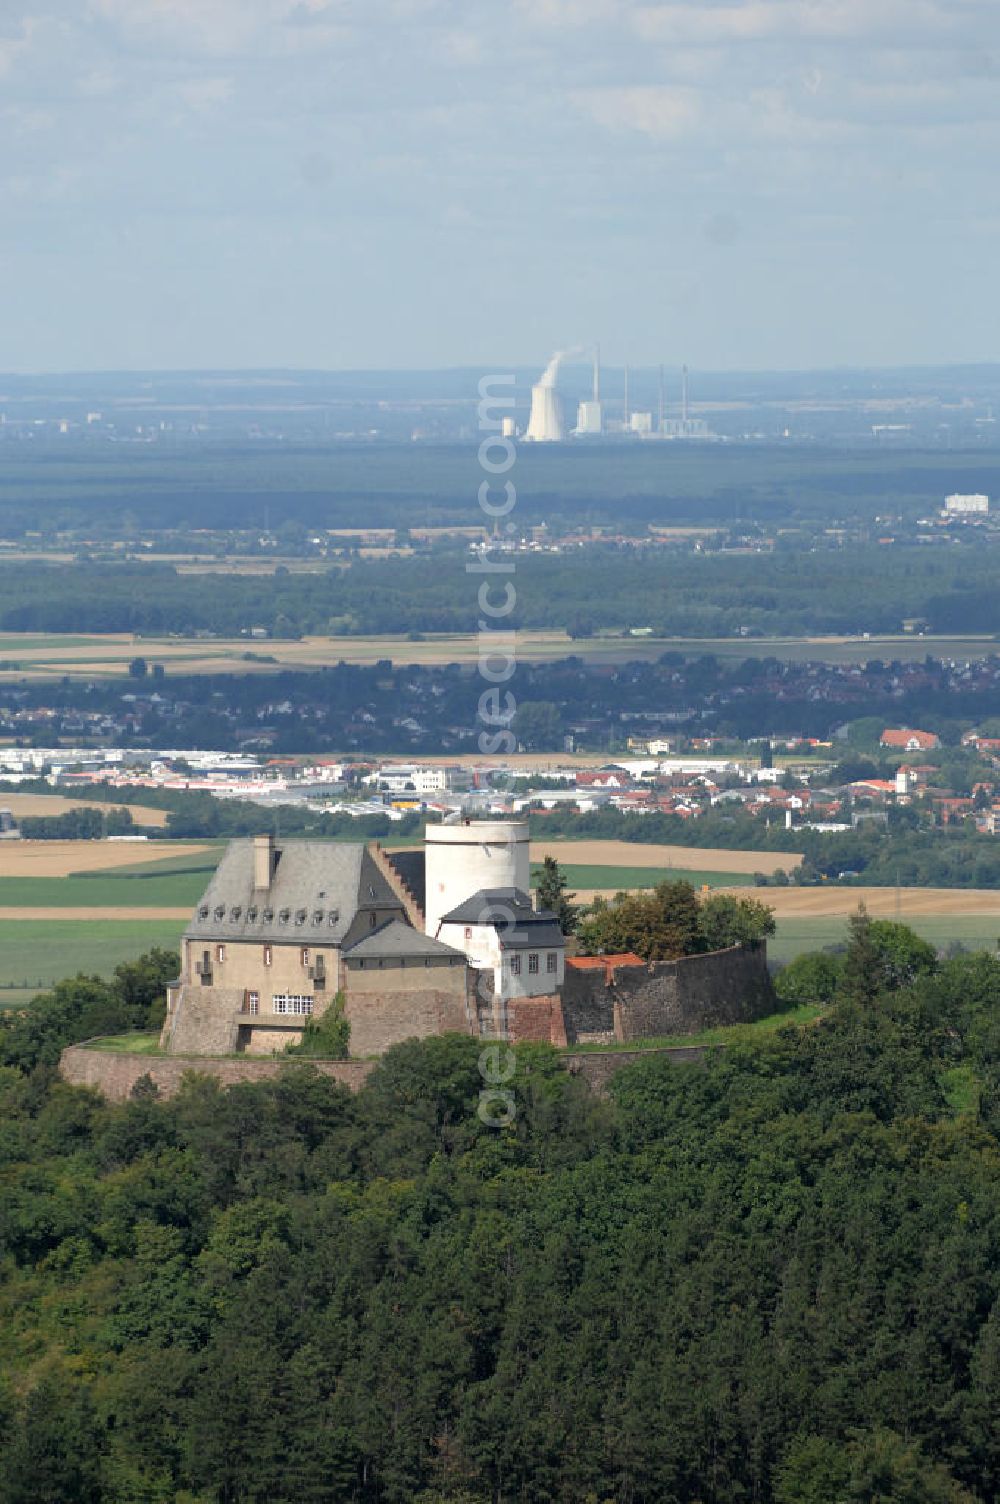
(108, 655)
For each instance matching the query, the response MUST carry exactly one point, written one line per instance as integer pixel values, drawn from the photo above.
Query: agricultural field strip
(64, 859)
(110, 655)
(26, 806)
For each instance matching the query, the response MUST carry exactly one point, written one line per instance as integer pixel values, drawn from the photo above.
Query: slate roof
(395, 940)
(317, 890)
(521, 926)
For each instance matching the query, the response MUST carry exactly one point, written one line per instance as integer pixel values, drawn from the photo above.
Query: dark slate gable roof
(397, 940)
(317, 890)
(521, 926)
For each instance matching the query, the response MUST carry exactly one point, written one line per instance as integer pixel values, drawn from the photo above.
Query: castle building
(418, 943)
(282, 929)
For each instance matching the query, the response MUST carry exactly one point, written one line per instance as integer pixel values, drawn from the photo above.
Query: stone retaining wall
(115, 1074)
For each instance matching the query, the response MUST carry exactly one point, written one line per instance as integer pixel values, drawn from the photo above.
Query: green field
(976, 932)
(618, 878)
(104, 890)
(34, 953)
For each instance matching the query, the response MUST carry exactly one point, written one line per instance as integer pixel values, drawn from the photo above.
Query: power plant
(546, 424)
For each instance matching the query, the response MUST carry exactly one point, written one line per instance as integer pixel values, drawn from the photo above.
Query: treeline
(776, 1278)
(676, 594)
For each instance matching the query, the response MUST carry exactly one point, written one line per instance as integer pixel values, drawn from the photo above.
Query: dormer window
(203, 911)
(220, 912)
(318, 916)
(268, 916)
(284, 915)
(300, 916)
(252, 913)
(235, 912)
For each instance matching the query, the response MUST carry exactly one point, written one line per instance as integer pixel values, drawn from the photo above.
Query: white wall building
(967, 506)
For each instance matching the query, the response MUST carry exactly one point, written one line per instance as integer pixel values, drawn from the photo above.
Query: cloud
(204, 94)
(788, 20)
(13, 45)
(660, 112)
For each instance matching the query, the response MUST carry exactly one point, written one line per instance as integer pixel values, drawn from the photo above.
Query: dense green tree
(550, 893)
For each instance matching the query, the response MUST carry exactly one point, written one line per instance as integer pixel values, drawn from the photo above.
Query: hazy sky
(345, 183)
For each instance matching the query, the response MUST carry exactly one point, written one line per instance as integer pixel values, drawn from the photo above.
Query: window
(551, 964)
(220, 952)
(305, 955)
(253, 1002)
(533, 963)
(267, 955)
(291, 1002)
(515, 966)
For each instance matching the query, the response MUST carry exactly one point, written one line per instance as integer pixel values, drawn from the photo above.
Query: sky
(343, 184)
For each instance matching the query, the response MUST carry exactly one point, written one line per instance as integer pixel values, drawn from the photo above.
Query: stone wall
(384, 1006)
(115, 1075)
(669, 997)
(202, 1020)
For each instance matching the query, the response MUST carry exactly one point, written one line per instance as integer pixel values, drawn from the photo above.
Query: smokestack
(597, 373)
(684, 393)
(625, 421)
(263, 862)
(659, 405)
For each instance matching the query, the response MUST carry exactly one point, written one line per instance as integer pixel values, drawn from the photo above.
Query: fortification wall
(669, 997)
(115, 1075)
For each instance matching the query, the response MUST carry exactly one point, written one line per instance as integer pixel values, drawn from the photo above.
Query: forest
(775, 1278)
(849, 590)
(109, 492)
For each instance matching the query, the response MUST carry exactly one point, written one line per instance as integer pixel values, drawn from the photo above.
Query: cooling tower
(545, 426)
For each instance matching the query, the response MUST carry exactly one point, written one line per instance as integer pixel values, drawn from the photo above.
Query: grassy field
(99, 890)
(975, 932)
(34, 953)
(109, 655)
(588, 879)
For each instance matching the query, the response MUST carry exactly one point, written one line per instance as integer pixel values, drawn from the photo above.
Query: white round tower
(461, 859)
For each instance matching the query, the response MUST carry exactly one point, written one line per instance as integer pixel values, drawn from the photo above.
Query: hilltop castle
(419, 942)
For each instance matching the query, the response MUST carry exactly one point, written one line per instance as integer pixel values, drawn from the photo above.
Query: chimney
(263, 862)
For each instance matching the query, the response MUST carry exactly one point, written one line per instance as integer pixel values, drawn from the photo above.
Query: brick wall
(537, 1019)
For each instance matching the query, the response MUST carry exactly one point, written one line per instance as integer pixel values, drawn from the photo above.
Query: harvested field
(907, 904)
(690, 858)
(60, 858)
(37, 805)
